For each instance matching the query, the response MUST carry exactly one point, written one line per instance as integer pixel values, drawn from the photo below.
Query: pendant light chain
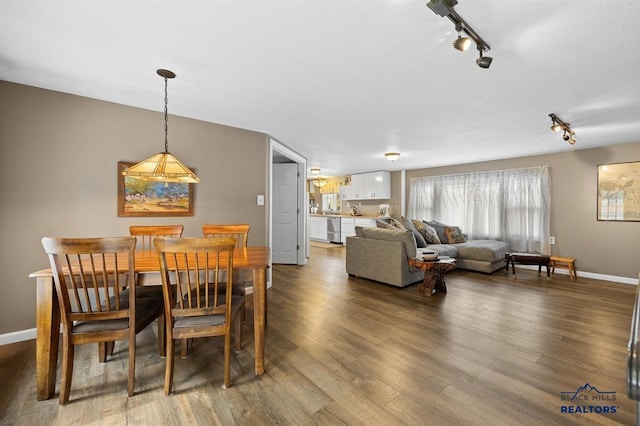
(166, 117)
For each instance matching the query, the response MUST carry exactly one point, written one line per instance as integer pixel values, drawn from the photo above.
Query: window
(507, 205)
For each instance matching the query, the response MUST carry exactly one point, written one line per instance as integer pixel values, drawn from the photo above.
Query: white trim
(592, 275)
(17, 336)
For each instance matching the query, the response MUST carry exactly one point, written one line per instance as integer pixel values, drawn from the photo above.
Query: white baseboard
(17, 336)
(603, 277)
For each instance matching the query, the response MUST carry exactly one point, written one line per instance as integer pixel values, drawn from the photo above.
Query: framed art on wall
(153, 199)
(619, 192)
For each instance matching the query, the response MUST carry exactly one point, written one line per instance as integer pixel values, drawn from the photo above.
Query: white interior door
(285, 214)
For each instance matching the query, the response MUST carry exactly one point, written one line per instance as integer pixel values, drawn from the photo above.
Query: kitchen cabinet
(368, 186)
(317, 228)
(348, 226)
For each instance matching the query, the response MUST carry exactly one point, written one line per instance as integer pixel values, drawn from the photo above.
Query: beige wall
(58, 168)
(609, 248)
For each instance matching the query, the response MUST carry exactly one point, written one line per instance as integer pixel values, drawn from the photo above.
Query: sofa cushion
(454, 235)
(405, 237)
(484, 250)
(409, 225)
(444, 249)
(430, 235)
(439, 227)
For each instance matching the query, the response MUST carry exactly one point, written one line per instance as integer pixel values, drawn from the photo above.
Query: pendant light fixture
(163, 167)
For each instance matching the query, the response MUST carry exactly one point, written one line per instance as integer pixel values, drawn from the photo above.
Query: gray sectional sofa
(381, 255)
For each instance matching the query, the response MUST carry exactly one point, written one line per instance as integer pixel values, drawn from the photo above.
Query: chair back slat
(146, 233)
(239, 231)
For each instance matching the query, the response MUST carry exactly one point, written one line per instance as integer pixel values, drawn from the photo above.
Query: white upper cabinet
(368, 186)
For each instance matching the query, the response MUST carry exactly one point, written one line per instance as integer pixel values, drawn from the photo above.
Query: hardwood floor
(342, 350)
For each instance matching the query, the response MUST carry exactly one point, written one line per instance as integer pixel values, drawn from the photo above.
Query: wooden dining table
(147, 267)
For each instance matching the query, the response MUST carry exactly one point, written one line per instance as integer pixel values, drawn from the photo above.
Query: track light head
(556, 127)
(565, 136)
(483, 61)
(461, 43)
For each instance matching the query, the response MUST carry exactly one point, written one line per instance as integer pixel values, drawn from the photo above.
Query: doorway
(287, 206)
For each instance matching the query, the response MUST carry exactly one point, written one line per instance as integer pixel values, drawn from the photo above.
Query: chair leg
(67, 369)
(168, 371)
(184, 348)
(131, 383)
(227, 358)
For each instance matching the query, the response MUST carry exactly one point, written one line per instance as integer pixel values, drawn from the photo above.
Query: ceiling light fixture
(315, 170)
(483, 61)
(445, 8)
(392, 156)
(461, 43)
(320, 182)
(163, 167)
(568, 134)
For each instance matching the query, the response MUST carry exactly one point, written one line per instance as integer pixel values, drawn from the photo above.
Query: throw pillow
(385, 225)
(397, 224)
(454, 235)
(439, 227)
(430, 235)
(409, 225)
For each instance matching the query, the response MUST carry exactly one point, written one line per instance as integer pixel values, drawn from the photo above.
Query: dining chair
(240, 232)
(94, 282)
(202, 305)
(146, 233)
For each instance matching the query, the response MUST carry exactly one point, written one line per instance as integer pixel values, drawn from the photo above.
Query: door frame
(276, 146)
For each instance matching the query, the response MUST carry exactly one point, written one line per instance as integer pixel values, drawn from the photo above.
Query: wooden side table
(527, 259)
(562, 262)
(434, 272)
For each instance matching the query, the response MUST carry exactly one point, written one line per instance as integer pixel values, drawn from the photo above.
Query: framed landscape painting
(619, 192)
(141, 198)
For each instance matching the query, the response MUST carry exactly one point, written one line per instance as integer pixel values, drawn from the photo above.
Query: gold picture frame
(619, 192)
(152, 199)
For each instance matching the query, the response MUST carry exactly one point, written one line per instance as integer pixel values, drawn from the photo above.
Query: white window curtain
(506, 205)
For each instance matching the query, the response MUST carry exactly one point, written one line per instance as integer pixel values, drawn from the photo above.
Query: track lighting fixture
(444, 8)
(568, 135)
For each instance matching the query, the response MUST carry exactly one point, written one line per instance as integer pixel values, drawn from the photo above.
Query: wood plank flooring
(340, 350)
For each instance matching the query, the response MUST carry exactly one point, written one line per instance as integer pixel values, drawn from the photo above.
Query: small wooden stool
(568, 263)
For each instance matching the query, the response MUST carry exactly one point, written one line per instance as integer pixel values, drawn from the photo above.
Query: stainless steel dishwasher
(333, 229)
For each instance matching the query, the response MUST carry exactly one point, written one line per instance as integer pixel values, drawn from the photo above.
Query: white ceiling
(343, 81)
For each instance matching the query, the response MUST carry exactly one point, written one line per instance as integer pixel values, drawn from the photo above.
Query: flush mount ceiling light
(445, 9)
(320, 182)
(568, 134)
(163, 167)
(315, 170)
(392, 156)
